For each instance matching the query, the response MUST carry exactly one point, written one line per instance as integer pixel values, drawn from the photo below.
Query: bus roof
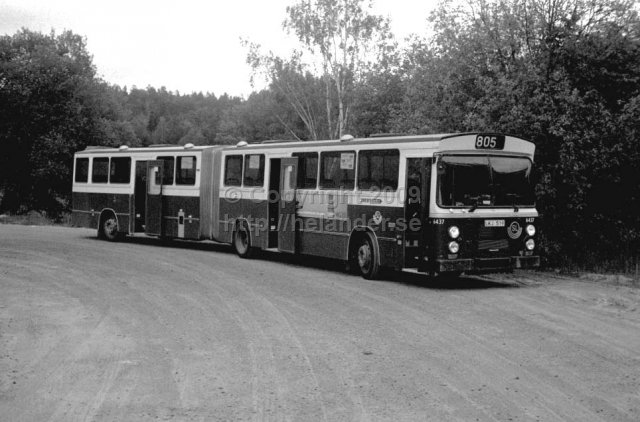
(268, 144)
(374, 140)
(158, 148)
(335, 142)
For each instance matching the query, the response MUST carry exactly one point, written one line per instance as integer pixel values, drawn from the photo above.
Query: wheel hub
(110, 226)
(364, 257)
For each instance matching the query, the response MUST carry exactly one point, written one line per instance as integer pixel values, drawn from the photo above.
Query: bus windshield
(477, 181)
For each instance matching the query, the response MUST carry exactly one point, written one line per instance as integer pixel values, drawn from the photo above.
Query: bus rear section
(482, 215)
(102, 191)
(152, 190)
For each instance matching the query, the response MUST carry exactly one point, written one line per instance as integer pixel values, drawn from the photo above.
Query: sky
(187, 45)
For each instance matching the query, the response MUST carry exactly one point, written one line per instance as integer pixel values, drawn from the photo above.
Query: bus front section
(482, 213)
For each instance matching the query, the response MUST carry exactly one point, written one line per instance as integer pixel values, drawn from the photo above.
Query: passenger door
(140, 196)
(153, 213)
(287, 228)
(418, 183)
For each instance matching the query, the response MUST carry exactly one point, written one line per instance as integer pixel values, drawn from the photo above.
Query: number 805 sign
(489, 141)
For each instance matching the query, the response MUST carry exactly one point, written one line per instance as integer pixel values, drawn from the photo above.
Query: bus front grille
(484, 245)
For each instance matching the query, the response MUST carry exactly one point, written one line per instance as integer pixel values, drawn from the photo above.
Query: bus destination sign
(489, 141)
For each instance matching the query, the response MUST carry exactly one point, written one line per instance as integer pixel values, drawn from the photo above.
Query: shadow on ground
(464, 282)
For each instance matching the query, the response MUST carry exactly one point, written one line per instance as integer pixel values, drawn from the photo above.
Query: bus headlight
(531, 230)
(530, 244)
(454, 232)
(454, 247)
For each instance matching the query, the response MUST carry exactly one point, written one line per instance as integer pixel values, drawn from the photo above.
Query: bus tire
(366, 259)
(108, 227)
(242, 240)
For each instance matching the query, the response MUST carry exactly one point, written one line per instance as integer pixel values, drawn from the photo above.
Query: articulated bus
(445, 204)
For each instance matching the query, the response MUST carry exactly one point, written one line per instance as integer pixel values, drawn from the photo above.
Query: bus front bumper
(478, 265)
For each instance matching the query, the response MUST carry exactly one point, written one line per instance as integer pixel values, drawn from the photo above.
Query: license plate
(494, 223)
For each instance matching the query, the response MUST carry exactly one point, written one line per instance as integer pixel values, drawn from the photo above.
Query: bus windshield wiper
(481, 199)
(513, 197)
(475, 205)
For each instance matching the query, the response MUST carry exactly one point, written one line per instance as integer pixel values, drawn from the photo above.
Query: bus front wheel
(367, 259)
(242, 241)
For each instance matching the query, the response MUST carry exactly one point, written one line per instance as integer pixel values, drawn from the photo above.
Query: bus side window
(307, 169)
(233, 170)
(167, 171)
(186, 171)
(378, 169)
(337, 170)
(82, 170)
(254, 170)
(100, 172)
(120, 171)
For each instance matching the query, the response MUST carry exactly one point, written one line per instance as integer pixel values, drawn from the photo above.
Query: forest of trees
(562, 73)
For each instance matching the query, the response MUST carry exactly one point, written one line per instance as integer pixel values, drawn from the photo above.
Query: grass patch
(35, 218)
(628, 267)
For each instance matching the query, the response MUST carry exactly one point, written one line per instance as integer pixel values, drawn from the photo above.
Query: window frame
(93, 169)
(165, 174)
(112, 166)
(378, 152)
(226, 169)
(441, 175)
(75, 172)
(179, 180)
(246, 167)
(338, 154)
(302, 168)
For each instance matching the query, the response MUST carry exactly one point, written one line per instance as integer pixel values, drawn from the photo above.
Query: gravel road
(142, 330)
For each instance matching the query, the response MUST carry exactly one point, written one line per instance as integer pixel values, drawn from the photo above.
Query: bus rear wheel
(366, 258)
(242, 241)
(108, 228)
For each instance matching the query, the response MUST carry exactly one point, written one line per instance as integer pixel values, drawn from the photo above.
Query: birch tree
(345, 37)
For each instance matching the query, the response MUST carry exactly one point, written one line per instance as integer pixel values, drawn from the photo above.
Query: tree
(561, 73)
(343, 40)
(378, 97)
(347, 38)
(301, 90)
(49, 107)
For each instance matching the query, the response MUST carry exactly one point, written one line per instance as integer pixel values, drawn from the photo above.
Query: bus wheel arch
(241, 239)
(108, 226)
(364, 252)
